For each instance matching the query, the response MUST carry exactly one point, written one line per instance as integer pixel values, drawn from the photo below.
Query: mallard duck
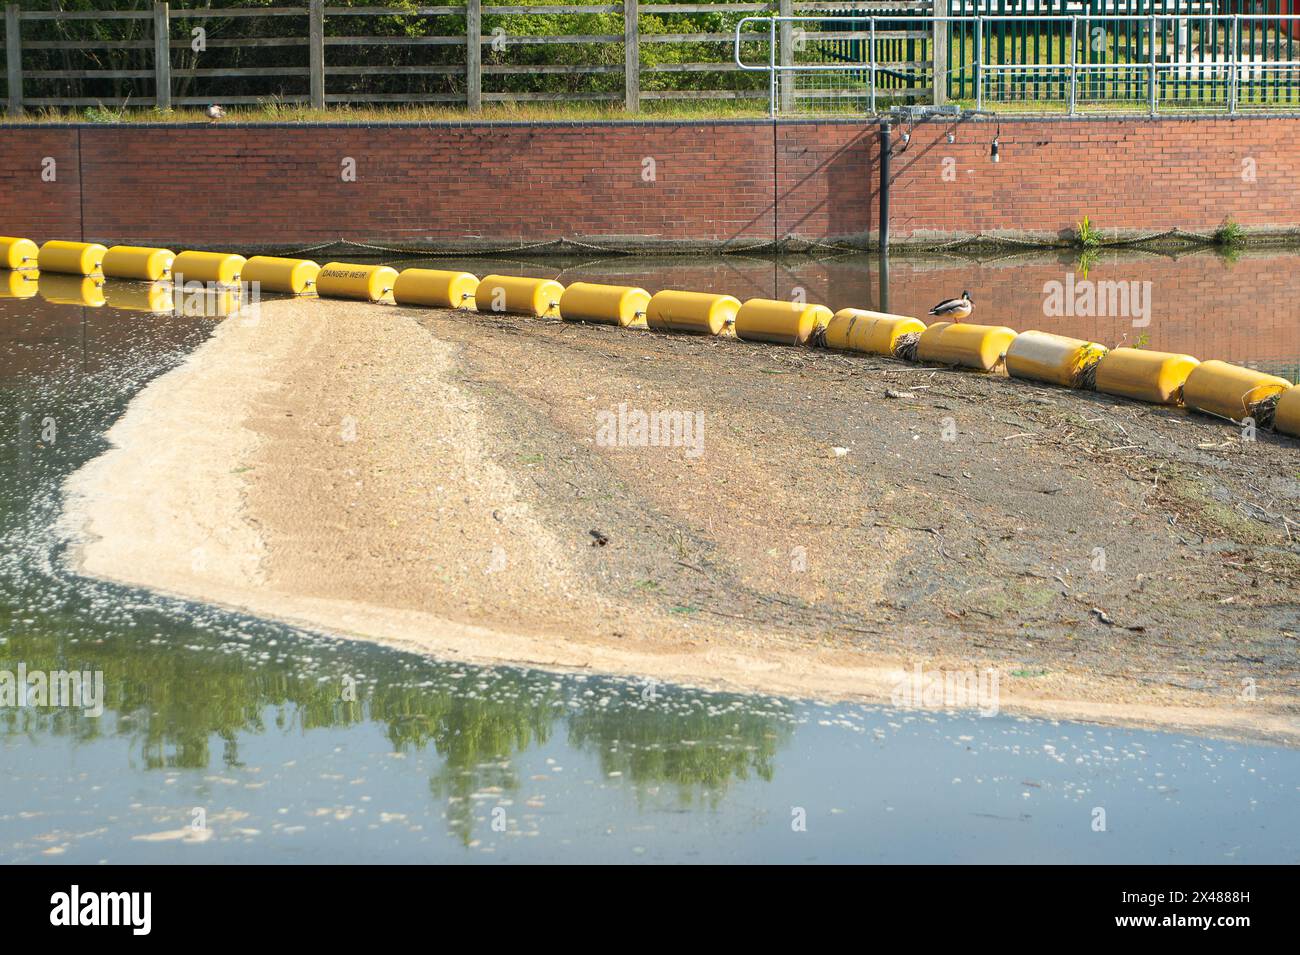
(954, 309)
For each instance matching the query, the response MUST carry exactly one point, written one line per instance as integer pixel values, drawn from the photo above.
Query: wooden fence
(158, 67)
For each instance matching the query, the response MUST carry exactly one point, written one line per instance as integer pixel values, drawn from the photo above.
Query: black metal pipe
(882, 223)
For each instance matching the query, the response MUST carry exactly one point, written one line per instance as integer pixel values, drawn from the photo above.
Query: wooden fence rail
(154, 80)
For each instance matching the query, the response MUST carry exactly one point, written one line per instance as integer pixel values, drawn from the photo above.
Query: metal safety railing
(1055, 82)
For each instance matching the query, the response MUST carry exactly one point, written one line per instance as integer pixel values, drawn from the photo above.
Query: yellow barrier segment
(138, 262)
(1286, 418)
(875, 333)
(960, 343)
(275, 274)
(62, 289)
(1229, 391)
(439, 288)
(156, 297)
(366, 282)
(1041, 356)
(1143, 375)
(606, 304)
(72, 258)
(518, 295)
(219, 267)
(699, 313)
(18, 284)
(16, 253)
(784, 323)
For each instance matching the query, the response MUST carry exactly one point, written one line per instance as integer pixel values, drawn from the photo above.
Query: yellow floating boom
(783, 323)
(1144, 375)
(16, 253)
(518, 295)
(275, 274)
(1286, 417)
(221, 268)
(438, 288)
(71, 258)
(366, 282)
(604, 304)
(964, 344)
(1229, 391)
(1041, 356)
(699, 313)
(874, 333)
(138, 262)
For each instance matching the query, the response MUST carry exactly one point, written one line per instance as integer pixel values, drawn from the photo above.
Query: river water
(226, 738)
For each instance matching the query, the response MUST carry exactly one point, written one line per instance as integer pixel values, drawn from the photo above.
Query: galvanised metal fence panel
(898, 51)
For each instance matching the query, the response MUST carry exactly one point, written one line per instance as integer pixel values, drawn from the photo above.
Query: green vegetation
(1085, 235)
(1230, 234)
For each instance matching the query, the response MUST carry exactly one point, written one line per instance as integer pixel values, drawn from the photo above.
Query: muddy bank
(469, 486)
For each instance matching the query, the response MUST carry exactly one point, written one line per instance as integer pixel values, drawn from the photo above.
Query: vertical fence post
(1234, 76)
(316, 42)
(162, 56)
(1152, 41)
(631, 57)
(979, 62)
(785, 8)
(872, 41)
(1074, 62)
(474, 54)
(14, 59)
(771, 67)
(939, 52)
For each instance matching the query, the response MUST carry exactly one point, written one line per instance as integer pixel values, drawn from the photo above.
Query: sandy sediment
(432, 480)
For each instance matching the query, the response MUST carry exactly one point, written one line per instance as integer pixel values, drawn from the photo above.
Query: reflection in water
(1237, 309)
(303, 748)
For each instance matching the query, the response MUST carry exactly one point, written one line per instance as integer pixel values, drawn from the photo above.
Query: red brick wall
(496, 184)
(40, 183)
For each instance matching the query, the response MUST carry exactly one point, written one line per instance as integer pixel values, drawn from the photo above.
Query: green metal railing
(1194, 45)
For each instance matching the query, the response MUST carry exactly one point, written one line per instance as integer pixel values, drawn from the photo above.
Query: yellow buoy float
(1143, 375)
(16, 253)
(138, 262)
(1055, 359)
(874, 333)
(698, 313)
(366, 282)
(1286, 417)
(518, 295)
(783, 323)
(221, 268)
(1230, 391)
(63, 289)
(439, 288)
(71, 258)
(964, 344)
(275, 274)
(20, 284)
(604, 304)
